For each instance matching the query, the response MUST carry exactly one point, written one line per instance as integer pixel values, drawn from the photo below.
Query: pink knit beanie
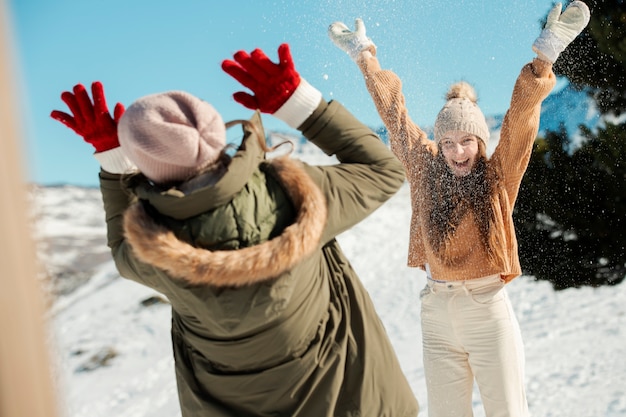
(461, 113)
(171, 136)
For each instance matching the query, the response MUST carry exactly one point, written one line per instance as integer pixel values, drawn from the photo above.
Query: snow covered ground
(111, 346)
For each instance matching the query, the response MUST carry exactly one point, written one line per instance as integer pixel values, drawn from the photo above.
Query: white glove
(561, 29)
(353, 43)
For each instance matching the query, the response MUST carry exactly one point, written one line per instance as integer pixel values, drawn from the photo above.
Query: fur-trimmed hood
(156, 245)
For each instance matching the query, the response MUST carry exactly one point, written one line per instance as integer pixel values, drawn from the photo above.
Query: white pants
(469, 330)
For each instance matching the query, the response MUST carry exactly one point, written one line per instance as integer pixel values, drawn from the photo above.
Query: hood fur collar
(156, 245)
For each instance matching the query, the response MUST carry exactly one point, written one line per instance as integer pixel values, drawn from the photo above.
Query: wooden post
(26, 387)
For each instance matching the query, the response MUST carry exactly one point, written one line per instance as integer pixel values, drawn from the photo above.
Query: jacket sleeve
(116, 200)
(368, 173)
(408, 141)
(521, 123)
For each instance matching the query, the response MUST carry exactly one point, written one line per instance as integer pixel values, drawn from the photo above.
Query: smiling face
(460, 151)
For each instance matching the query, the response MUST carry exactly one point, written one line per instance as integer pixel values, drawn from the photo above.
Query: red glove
(91, 121)
(272, 84)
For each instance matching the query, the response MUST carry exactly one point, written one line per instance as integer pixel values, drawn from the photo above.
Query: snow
(575, 339)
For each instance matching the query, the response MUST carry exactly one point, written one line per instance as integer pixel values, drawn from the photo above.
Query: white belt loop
(465, 288)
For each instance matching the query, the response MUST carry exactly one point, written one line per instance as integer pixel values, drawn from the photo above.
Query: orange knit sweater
(413, 148)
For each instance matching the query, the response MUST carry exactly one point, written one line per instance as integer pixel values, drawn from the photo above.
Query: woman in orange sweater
(462, 231)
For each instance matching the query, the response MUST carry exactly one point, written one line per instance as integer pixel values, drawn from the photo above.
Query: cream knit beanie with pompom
(171, 136)
(461, 113)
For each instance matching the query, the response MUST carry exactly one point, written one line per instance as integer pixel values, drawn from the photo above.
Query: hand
(353, 43)
(91, 121)
(561, 29)
(272, 84)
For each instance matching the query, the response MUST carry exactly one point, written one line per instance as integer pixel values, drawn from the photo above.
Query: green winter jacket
(268, 316)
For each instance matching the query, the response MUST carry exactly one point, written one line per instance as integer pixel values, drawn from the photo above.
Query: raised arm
(536, 80)
(408, 141)
(367, 175)
(90, 119)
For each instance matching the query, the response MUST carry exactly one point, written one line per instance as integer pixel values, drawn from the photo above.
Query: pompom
(462, 89)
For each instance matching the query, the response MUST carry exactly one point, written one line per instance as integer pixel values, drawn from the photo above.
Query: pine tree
(571, 210)
(597, 58)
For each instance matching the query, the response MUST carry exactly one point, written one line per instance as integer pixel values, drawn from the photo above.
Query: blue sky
(139, 47)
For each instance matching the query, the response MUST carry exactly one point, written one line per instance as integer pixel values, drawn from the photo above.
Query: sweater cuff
(300, 105)
(115, 161)
(541, 68)
(368, 63)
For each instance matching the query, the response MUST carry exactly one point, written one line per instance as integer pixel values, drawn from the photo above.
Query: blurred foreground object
(26, 387)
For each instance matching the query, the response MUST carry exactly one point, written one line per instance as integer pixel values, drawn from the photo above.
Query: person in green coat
(268, 316)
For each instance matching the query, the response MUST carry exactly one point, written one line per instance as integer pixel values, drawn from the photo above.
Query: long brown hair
(451, 198)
